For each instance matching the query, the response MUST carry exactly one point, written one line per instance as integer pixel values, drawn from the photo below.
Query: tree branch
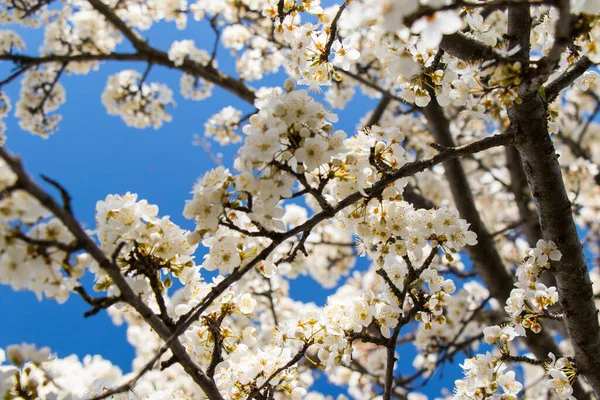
(554, 208)
(25, 183)
(565, 79)
(467, 49)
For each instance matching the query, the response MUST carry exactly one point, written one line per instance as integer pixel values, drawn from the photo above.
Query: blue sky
(94, 154)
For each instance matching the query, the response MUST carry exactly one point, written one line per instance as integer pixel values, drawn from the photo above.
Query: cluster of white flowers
(528, 302)
(289, 135)
(25, 14)
(325, 333)
(30, 372)
(248, 362)
(395, 228)
(367, 302)
(80, 32)
(41, 95)
(23, 373)
(221, 126)
(356, 172)
(311, 45)
(9, 373)
(170, 10)
(562, 374)
(207, 203)
(244, 369)
(433, 335)
(401, 56)
(261, 57)
(23, 264)
(531, 298)
(147, 245)
(10, 42)
(484, 375)
(235, 36)
(290, 127)
(138, 103)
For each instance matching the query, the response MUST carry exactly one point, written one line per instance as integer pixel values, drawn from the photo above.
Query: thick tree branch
(149, 55)
(467, 49)
(520, 189)
(554, 208)
(519, 27)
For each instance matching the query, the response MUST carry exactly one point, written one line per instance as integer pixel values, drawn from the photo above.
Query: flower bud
(304, 132)
(289, 85)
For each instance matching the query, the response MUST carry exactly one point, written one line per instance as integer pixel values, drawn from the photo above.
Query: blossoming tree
(483, 147)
